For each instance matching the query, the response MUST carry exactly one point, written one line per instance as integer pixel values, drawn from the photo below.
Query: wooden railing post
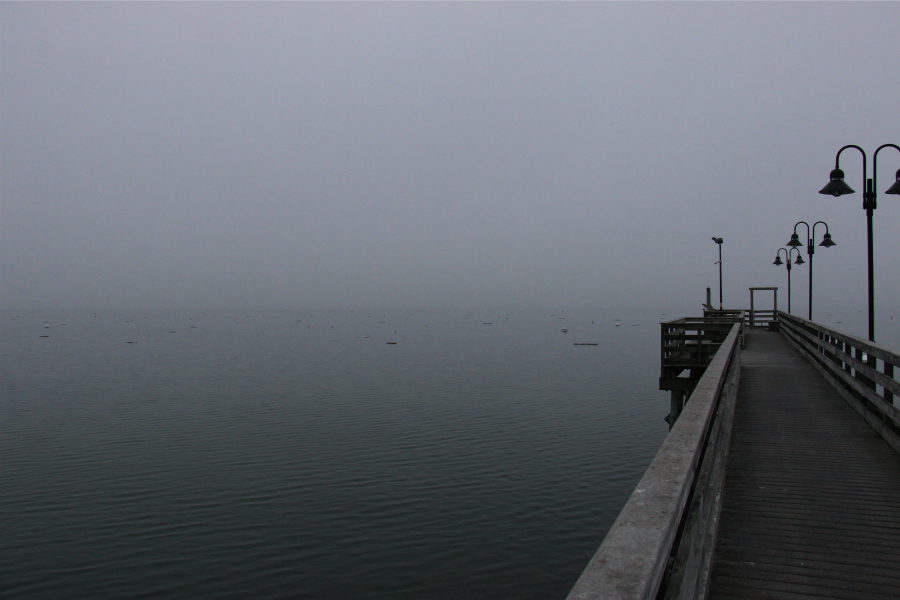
(845, 348)
(889, 371)
(858, 380)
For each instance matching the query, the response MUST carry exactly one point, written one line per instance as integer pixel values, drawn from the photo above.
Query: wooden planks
(811, 507)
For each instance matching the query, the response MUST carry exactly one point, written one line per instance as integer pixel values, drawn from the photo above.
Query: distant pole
(719, 242)
(836, 187)
(809, 252)
(799, 261)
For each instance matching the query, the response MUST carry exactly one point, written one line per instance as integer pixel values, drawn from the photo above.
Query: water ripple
(249, 456)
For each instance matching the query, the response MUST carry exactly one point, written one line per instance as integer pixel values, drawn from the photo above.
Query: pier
(780, 477)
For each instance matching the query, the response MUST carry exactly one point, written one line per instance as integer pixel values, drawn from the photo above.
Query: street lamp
(837, 187)
(719, 242)
(787, 257)
(810, 249)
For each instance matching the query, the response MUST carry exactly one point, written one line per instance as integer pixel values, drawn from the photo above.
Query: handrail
(662, 542)
(691, 342)
(754, 318)
(723, 313)
(851, 365)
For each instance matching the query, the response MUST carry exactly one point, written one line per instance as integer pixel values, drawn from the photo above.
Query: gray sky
(298, 155)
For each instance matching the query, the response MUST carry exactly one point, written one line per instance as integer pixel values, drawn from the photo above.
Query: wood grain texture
(811, 505)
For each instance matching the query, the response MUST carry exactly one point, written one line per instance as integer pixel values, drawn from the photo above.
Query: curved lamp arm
(837, 159)
(875, 162)
(787, 257)
(827, 242)
(795, 239)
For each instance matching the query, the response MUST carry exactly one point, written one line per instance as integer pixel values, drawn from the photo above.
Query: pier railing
(862, 372)
(661, 544)
(760, 318)
(691, 342)
(752, 317)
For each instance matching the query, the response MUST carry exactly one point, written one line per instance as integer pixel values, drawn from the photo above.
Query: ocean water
(298, 454)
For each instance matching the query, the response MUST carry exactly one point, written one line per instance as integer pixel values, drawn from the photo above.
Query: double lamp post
(795, 242)
(837, 187)
(787, 261)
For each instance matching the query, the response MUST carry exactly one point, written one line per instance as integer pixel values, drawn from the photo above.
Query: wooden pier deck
(811, 501)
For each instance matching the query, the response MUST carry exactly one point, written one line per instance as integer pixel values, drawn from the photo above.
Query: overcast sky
(294, 155)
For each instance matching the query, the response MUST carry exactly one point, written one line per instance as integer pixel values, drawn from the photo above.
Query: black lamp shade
(827, 241)
(778, 261)
(895, 189)
(795, 241)
(799, 260)
(836, 187)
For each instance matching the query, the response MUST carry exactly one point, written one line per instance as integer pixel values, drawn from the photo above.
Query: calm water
(286, 454)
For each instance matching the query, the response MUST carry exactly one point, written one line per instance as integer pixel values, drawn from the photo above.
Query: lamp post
(719, 242)
(787, 258)
(836, 187)
(810, 249)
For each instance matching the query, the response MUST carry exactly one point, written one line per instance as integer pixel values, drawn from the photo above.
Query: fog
(295, 155)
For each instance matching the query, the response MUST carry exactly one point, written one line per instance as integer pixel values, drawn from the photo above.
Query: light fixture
(836, 187)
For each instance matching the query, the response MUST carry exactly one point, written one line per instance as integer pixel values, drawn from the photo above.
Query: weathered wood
(691, 343)
(871, 418)
(805, 496)
(882, 379)
(689, 578)
(889, 372)
(810, 505)
(728, 313)
(856, 385)
(889, 410)
(634, 557)
(871, 348)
